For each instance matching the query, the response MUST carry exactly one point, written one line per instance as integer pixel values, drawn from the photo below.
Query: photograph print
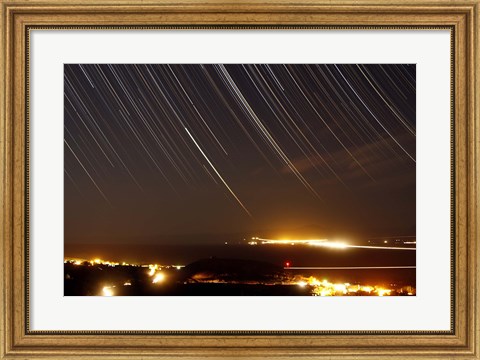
(239, 180)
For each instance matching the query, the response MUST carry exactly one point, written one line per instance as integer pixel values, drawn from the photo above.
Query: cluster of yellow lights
(98, 261)
(311, 242)
(155, 271)
(326, 288)
(320, 287)
(108, 290)
(158, 278)
(152, 269)
(94, 262)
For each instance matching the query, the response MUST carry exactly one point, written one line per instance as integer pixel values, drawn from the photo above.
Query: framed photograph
(238, 179)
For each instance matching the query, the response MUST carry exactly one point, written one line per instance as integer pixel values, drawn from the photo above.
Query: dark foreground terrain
(210, 277)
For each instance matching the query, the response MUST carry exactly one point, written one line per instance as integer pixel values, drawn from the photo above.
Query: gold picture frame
(19, 17)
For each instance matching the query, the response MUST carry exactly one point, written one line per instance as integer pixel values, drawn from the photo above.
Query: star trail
(156, 151)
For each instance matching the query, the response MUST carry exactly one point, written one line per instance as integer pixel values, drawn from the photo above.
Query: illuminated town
(161, 275)
(332, 244)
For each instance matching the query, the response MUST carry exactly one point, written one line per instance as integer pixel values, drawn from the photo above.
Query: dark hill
(233, 270)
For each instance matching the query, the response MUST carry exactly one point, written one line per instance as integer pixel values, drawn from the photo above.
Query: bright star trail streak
(219, 176)
(264, 131)
(184, 151)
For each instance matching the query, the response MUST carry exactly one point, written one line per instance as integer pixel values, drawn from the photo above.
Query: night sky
(189, 153)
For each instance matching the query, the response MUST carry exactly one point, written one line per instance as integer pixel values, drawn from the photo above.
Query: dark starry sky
(165, 153)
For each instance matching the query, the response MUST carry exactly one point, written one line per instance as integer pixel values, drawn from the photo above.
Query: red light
(287, 264)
